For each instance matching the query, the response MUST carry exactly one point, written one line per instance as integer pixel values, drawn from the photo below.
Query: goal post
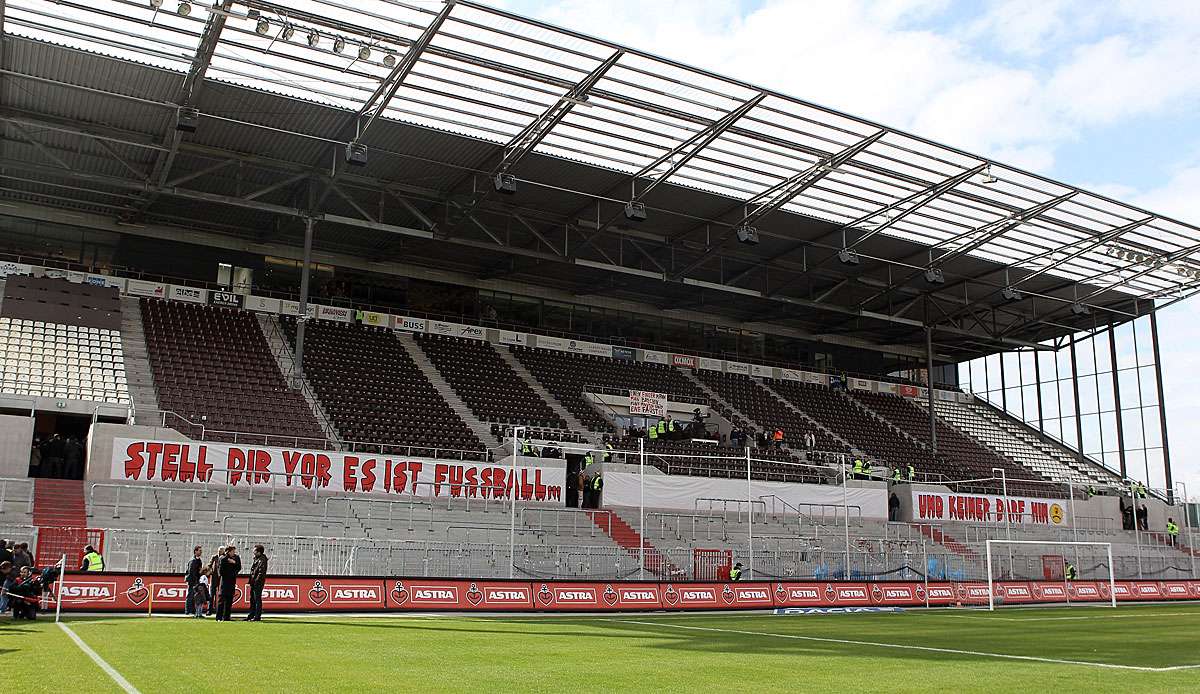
(1107, 547)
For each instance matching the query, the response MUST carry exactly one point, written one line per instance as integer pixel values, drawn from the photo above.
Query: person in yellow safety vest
(92, 561)
(1141, 490)
(735, 572)
(895, 474)
(1172, 530)
(867, 469)
(662, 427)
(597, 486)
(587, 459)
(526, 447)
(912, 472)
(652, 432)
(1070, 572)
(608, 452)
(670, 426)
(858, 468)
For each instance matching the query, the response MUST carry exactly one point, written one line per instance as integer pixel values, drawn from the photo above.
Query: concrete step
(482, 430)
(285, 359)
(138, 372)
(573, 423)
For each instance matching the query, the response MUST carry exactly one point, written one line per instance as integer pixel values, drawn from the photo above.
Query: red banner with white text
(168, 593)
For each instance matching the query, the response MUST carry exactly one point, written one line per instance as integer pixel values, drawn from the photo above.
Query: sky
(1102, 95)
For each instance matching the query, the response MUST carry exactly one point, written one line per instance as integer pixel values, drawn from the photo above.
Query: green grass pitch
(1131, 649)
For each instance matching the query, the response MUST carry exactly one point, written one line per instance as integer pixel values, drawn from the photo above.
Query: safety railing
(371, 504)
(566, 519)
(740, 506)
(135, 496)
(243, 524)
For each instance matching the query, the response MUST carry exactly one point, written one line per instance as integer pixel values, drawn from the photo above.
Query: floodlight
(364, 53)
(262, 27)
(287, 33)
(184, 9)
(389, 60)
(313, 39)
(339, 44)
(156, 4)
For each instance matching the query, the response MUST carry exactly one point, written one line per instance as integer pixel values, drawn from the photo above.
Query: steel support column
(1037, 377)
(303, 317)
(1075, 393)
(1116, 384)
(929, 388)
(1162, 408)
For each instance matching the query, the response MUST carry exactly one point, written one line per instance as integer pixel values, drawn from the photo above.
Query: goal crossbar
(1112, 580)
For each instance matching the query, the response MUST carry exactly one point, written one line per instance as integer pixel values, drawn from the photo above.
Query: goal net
(1071, 573)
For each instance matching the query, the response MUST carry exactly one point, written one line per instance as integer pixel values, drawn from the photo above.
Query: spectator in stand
(229, 568)
(192, 577)
(810, 441)
(778, 438)
(21, 557)
(258, 580)
(72, 459)
(1126, 516)
(1142, 518)
(893, 508)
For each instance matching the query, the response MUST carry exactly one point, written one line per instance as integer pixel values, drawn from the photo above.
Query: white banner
(508, 337)
(647, 403)
(178, 292)
(262, 304)
(143, 288)
(790, 375)
(379, 320)
(712, 364)
(889, 388)
(736, 367)
(438, 327)
(473, 332)
(684, 360)
(412, 325)
(290, 308)
(335, 313)
(978, 508)
(55, 273)
(96, 280)
(680, 492)
(655, 357)
(861, 384)
(816, 378)
(763, 371)
(556, 343)
(136, 460)
(946, 395)
(8, 268)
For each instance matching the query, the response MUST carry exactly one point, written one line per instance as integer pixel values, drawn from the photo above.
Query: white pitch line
(108, 669)
(1139, 615)
(911, 647)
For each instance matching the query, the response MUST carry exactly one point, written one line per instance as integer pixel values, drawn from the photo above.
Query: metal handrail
(574, 514)
(391, 503)
(142, 489)
(738, 504)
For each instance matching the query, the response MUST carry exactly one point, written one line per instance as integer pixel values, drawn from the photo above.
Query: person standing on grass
(258, 580)
(193, 579)
(214, 572)
(202, 597)
(231, 566)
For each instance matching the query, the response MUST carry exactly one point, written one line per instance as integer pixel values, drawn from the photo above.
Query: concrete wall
(100, 445)
(16, 437)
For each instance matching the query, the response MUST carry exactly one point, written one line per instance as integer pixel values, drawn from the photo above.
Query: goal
(1022, 560)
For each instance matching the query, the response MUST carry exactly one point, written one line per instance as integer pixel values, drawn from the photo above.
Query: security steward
(896, 474)
(597, 487)
(652, 431)
(1070, 572)
(527, 447)
(858, 469)
(92, 561)
(735, 572)
(662, 428)
(588, 459)
(608, 449)
(912, 472)
(1173, 531)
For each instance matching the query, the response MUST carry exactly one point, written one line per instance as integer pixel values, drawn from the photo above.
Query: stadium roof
(447, 96)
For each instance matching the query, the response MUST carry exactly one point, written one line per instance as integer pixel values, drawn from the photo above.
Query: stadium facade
(365, 270)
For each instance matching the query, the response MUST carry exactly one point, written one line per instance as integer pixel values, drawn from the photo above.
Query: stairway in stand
(61, 518)
(629, 540)
(1164, 540)
(945, 540)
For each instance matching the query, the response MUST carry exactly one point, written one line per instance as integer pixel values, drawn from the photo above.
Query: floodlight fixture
(389, 60)
(184, 9)
(313, 39)
(364, 53)
(339, 44)
(287, 33)
(262, 27)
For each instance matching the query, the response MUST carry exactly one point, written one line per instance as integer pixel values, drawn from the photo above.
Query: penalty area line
(955, 651)
(108, 669)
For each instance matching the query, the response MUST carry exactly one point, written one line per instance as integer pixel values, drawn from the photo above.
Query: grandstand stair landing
(628, 539)
(945, 540)
(58, 504)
